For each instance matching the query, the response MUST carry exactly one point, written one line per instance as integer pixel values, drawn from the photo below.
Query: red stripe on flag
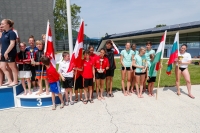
(172, 57)
(157, 66)
(168, 73)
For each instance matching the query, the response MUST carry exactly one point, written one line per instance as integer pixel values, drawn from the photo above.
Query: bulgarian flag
(159, 55)
(76, 58)
(174, 54)
(49, 48)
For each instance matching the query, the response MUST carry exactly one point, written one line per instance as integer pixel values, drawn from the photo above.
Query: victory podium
(8, 96)
(35, 101)
(11, 97)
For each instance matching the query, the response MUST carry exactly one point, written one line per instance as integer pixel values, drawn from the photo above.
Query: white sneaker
(61, 105)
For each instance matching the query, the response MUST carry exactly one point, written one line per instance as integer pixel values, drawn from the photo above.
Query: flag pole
(75, 78)
(159, 79)
(69, 20)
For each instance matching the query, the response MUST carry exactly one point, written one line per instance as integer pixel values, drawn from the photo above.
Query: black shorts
(9, 60)
(33, 73)
(133, 67)
(151, 79)
(79, 83)
(88, 82)
(139, 73)
(127, 68)
(100, 75)
(110, 72)
(68, 83)
(182, 69)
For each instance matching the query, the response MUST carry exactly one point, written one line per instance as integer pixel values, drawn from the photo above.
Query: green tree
(60, 18)
(160, 25)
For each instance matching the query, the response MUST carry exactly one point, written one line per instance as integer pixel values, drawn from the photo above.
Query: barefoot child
(40, 69)
(32, 49)
(151, 80)
(101, 65)
(53, 79)
(88, 77)
(67, 77)
(111, 50)
(23, 59)
(133, 68)
(140, 63)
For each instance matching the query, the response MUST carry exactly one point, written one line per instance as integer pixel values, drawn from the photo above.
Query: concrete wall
(30, 16)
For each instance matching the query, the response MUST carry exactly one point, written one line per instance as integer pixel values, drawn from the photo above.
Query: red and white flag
(76, 58)
(49, 48)
(116, 50)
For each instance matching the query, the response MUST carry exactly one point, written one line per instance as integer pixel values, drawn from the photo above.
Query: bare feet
(129, 94)
(99, 98)
(102, 98)
(191, 96)
(13, 84)
(141, 96)
(125, 94)
(39, 92)
(132, 91)
(25, 93)
(30, 92)
(47, 92)
(178, 93)
(138, 96)
(7, 83)
(150, 95)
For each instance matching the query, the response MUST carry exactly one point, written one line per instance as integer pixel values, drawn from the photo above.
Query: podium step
(35, 101)
(8, 96)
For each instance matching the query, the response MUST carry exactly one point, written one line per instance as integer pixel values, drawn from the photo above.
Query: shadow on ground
(173, 89)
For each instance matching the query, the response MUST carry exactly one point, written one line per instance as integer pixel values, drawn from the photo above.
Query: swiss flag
(76, 58)
(49, 49)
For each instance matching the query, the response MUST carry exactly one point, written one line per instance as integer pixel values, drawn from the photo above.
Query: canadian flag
(49, 49)
(76, 58)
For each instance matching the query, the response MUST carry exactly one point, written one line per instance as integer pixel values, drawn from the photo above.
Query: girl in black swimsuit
(183, 70)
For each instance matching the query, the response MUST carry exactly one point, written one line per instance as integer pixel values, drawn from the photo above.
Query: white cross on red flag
(49, 48)
(76, 58)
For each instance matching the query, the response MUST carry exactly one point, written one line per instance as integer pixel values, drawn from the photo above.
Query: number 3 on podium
(39, 102)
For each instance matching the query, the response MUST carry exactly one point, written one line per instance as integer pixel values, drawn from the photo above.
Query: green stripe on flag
(155, 61)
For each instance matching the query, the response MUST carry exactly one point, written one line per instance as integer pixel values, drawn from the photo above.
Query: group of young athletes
(95, 70)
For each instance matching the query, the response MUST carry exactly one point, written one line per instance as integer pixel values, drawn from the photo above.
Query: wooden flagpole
(75, 79)
(159, 79)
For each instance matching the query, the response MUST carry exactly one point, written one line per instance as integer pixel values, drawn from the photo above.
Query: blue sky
(118, 16)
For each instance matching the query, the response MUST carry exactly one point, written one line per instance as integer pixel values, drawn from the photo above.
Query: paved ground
(170, 113)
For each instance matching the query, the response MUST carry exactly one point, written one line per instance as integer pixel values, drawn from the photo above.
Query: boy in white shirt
(67, 77)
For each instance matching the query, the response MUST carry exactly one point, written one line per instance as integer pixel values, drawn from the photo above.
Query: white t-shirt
(186, 58)
(63, 67)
